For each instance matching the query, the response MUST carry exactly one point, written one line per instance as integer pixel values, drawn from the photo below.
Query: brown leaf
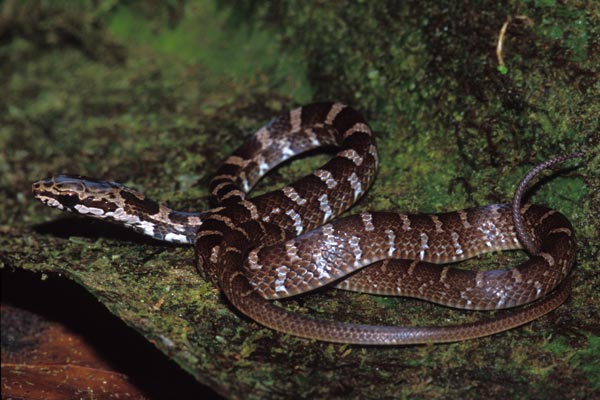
(45, 360)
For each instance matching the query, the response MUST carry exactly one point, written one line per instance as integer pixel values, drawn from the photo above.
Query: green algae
(141, 96)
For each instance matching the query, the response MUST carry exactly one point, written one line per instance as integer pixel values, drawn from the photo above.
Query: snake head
(78, 194)
(119, 204)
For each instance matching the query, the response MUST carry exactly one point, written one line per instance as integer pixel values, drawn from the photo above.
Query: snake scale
(287, 242)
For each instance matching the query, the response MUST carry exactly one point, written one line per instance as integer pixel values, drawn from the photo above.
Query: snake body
(287, 242)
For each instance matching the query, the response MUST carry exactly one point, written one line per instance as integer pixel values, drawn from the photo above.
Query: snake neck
(168, 225)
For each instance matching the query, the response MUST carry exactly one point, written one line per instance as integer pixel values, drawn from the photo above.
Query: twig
(501, 66)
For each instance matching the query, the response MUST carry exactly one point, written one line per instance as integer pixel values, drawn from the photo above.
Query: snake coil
(287, 242)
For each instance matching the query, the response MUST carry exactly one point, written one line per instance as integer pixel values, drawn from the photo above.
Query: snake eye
(68, 199)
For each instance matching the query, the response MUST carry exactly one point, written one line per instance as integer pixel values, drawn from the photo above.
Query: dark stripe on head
(145, 205)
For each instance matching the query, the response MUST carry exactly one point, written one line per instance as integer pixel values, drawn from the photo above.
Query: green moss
(201, 39)
(587, 360)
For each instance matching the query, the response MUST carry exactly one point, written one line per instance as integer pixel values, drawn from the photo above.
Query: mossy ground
(156, 97)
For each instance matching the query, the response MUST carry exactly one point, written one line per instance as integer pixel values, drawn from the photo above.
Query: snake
(289, 241)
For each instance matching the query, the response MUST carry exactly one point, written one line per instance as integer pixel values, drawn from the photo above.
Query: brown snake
(281, 243)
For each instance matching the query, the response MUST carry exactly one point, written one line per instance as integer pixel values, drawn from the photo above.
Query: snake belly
(287, 242)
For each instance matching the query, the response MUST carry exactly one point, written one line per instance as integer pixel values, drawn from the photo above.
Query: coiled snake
(282, 243)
